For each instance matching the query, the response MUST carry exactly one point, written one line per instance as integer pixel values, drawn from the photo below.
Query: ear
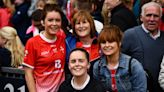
(141, 18)
(42, 22)
(120, 44)
(88, 66)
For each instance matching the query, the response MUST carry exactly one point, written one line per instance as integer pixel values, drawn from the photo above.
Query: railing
(12, 80)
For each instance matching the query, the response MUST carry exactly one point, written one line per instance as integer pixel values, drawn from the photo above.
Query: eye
(72, 61)
(77, 22)
(50, 20)
(57, 20)
(103, 42)
(81, 60)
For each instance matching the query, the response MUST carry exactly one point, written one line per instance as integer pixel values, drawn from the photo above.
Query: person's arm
(30, 79)
(96, 70)
(161, 75)
(138, 78)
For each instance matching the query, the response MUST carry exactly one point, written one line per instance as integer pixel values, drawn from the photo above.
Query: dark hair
(2, 5)
(98, 3)
(37, 15)
(82, 50)
(110, 33)
(51, 7)
(80, 16)
(54, 7)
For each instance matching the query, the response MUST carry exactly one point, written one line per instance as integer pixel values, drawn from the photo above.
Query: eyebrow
(155, 15)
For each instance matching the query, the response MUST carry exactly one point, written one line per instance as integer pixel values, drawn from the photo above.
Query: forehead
(77, 55)
(152, 10)
(53, 14)
(81, 18)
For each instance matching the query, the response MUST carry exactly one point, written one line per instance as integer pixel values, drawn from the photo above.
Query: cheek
(101, 46)
(76, 27)
(59, 24)
(69, 66)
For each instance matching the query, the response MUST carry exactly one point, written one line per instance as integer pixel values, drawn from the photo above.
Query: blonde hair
(13, 44)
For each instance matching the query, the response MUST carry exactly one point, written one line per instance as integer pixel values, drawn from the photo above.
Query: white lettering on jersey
(44, 53)
(61, 49)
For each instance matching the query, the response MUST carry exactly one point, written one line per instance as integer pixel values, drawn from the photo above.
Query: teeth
(108, 48)
(54, 28)
(81, 29)
(77, 69)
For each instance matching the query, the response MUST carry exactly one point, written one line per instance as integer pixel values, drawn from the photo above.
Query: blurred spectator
(92, 7)
(20, 19)
(116, 13)
(5, 15)
(5, 54)
(40, 4)
(11, 42)
(10, 4)
(36, 26)
(32, 7)
(136, 8)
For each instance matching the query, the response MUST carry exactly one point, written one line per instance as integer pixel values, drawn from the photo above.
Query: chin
(77, 74)
(53, 33)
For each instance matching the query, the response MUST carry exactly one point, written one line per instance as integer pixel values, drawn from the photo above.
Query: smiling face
(52, 23)
(82, 28)
(110, 48)
(78, 63)
(110, 40)
(83, 25)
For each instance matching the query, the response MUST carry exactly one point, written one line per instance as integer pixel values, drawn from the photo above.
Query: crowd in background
(84, 44)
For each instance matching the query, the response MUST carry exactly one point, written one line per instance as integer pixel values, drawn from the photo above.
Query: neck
(80, 80)
(86, 41)
(154, 32)
(113, 60)
(49, 36)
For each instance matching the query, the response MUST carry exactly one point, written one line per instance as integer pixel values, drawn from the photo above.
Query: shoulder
(4, 50)
(132, 30)
(34, 39)
(96, 62)
(97, 85)
(130, 34)
(129, 58)
(65, 86)
(95, 82)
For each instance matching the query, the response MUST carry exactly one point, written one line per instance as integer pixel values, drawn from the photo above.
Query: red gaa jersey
(47, 58)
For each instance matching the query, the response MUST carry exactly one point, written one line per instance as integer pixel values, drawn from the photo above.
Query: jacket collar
(122, 59)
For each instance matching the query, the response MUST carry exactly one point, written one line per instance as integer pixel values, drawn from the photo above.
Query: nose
(77, 62)
(54, 22)
(106, 43)
(81, 24)
(152, 17)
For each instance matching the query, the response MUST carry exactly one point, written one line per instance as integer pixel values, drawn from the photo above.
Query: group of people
(86, 60)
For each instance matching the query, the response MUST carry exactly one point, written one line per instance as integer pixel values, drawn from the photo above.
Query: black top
(92, 86)
(5, 57)
(122, 17)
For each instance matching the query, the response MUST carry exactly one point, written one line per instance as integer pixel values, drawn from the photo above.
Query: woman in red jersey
(45, 54)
